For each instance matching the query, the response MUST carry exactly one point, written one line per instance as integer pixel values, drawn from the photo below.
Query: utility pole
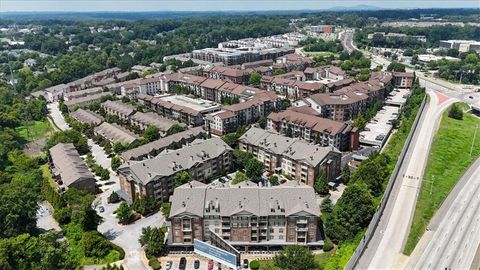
(473, 140)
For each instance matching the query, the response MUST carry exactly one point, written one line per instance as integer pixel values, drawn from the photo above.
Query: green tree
(321, 185)
(254, 169)
(255, 265)
(359, 121)
(295, 258)
(273, 179)
(115, 162)
(326, 205)
(278, 72)
(124, 213)
(255, 78)
(373, 172)
(145, 205)
(181, 178)
(346, 174)
(151, 133)
(95, 244)
(175, 128)
(351, 214)
(113, 198)
(238, 178)
(165, 209)
(152, 239)
(455, 112)
(396, 67)
(262, 122)
(118, 147)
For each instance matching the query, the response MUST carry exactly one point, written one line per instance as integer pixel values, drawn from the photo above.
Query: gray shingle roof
(150, 118)
(68, 164)
(118, 106)
(291, 148)
(114, 132)
(161, 143)
(87, 117)
(169, 162)
(288, 199)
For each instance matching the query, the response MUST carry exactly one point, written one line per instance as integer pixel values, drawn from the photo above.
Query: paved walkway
(57, 116)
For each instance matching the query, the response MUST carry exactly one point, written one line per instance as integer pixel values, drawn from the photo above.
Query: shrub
(254, 265)
(328, 245)
(113, 198)
(95, 245)
(455, 112)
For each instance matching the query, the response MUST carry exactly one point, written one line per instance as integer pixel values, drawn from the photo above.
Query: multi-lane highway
(347, 40)
(454, 234)
(388, 240)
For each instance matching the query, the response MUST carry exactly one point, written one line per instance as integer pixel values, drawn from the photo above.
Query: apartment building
(299, 159)
(187, 81)
(118, 108)
(461, 45)
(235, 75)
(85, 101)
(293, 61)
(247, 216)
(337, 106)
(87, 117)
(202, 160)
(180, 108)
(115, 133)
(403, 79)
(143, 120)
(82, 93)
(291, 89)
(69, 169)
(311, 128)
(234, 56)
(244, 113)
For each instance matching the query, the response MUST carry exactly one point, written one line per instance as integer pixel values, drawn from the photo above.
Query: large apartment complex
(202, 159)
(290, 156)
(245, 215)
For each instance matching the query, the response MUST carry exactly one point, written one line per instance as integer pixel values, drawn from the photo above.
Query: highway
(454, 234)
(390, 236)
(347, 40)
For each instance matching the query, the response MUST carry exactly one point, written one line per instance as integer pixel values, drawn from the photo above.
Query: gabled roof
(69, 165)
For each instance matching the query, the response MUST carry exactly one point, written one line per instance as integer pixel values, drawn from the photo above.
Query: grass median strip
(449, 158)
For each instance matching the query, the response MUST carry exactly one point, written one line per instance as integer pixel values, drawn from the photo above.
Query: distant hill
(355, 8)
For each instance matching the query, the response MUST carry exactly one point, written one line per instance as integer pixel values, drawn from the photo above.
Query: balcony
(302, 221)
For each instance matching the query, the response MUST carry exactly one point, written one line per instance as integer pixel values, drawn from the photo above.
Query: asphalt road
(390, 236)
(347, 40)
(456, 237)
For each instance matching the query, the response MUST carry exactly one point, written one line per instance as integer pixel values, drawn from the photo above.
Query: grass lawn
(449, 158)
(48, 175)
(35, 130)
(322, 258)
(313, 54)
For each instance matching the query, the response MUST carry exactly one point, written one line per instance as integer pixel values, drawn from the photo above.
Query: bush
(155, 264)
(327, 245)
(165, 208)
(113, 198)
(95, 245)
(254, 265)
(455, 112)
(62, 215)
(145, 205)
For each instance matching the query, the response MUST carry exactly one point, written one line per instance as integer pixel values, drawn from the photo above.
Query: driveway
(124, 236)
(57, 116)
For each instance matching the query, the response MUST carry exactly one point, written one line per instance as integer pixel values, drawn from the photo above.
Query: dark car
(182, 264)
(210, 265)
(196, 264)
(245, 263)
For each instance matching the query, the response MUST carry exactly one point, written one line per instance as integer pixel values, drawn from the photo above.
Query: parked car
(210, 265)
(196, 264)
(168, 265)
(245, 263)
(183, 263)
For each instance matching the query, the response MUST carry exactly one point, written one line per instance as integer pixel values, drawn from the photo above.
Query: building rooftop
(196, 104)
(291, 148)
(169, 162)
(247, 197)
(114, 133)
(87, 117)
(86, 99)
(68, 164)
(161, 143)
(119, 106)
(150, 118)
(378, 129)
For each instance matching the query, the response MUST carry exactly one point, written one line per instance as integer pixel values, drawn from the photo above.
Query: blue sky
(218, 5)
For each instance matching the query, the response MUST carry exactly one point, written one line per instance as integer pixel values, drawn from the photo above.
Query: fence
(386, 196)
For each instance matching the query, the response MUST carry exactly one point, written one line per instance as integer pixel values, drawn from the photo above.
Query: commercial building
(311, 128)
(231, 56)
(461, 45)
(247, 216)
(322, 28)
(69, 169)
(301, 160)
(115, 133)
(202, 160)
(248, 112)
(87, 117)
(118, 108)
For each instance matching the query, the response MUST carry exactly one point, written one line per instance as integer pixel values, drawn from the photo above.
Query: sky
(218, 5)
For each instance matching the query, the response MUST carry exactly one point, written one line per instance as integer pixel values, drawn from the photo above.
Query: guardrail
(386, 196)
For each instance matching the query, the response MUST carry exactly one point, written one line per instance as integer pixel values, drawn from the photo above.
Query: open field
(449, 158)
(35, 130)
